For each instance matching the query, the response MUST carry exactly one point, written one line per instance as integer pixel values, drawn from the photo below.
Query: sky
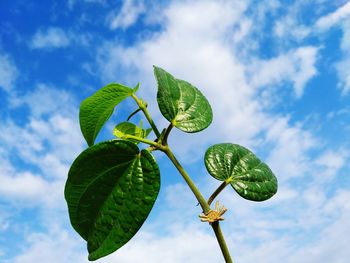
(276, 74)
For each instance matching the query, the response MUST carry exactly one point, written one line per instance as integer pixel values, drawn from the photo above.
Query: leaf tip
(157, 69)
(136, 88)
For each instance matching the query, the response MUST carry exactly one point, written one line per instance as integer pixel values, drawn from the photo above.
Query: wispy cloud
(44, 100)
(8, 72)
(289, 157)
(334, 18)
(331, 162)
(296, 66)
(56, 246)
(127, 15)
(50, 38)
(343, 65)
(340, 18)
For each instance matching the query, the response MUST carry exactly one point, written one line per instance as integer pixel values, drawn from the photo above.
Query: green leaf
(251, 178)
(127, 128)
(96, 109)
(181, 103)
(110, 190)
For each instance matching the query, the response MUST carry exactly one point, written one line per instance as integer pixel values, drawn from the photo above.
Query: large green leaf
(181, 103)
(110, 191)
(251, 178)
(127, 128)
(96, 109)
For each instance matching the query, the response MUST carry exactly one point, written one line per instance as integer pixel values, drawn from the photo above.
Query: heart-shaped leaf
(251, 178)
(181, 103)
(127, 128)
(110, 190)
(96, 109)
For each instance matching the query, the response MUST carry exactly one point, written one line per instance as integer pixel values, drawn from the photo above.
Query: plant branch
(218, 190)
(139, 139)
(221, 241)
(203, 203)
(205, 206)
(143, 107)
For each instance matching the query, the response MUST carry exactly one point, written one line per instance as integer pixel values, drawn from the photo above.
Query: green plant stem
(147, 115)
(201, 200)
(203, 203)
(155, 144)
(221, 241)
(205, 206)
(218, 190)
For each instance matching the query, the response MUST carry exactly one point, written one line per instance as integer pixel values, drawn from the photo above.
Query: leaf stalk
(143, 107)
(166, 134)
(143, 140)
(218, 190)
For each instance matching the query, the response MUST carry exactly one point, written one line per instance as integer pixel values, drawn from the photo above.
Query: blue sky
(276, 74)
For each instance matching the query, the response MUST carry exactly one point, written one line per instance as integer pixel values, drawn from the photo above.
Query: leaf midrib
(93, 181)
(106, 236)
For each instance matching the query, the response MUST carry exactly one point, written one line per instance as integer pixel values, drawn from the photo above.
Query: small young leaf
(181, 103)
(127, 128)
(251, 178)
(110, 190)
(96, 109)
(136, 88)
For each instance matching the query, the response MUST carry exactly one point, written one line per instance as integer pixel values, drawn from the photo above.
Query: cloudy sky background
(276, 74)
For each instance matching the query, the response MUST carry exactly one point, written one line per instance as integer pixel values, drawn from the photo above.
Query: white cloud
(289, 158)
(45, 100)
(331, 162)
(8, 72)
(128, 14)
(332, 243)
(57, 246)
(50, 38)
(187, 245)
(48, 141)
(343, 65)
(289, 25)
(201, 48)
(251, 232)
(340, 17)
(296, 66)
(4, 219)
(184, 48)
(344, 75)
(26, 185)
(334, 18)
